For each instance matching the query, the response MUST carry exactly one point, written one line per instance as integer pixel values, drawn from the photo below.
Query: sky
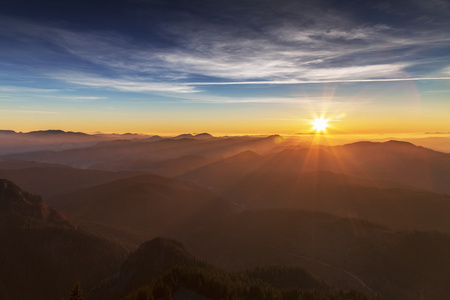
(225, 67)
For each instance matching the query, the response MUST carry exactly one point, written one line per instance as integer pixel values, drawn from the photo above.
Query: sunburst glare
(320, 124)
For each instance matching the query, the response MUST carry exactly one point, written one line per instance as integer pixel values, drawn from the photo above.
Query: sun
(320, 124)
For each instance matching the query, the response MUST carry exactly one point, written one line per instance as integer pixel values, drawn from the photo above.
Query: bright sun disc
(320, 124)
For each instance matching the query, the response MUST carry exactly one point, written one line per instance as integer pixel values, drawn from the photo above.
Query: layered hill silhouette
(12, 142)
(43, 254)
(340, 180)
(124, 154)
(389, 164)
(346, 214)
(145, 206)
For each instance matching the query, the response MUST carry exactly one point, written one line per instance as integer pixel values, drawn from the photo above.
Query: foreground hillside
(42, 254)
(344, 251)
(162, 268)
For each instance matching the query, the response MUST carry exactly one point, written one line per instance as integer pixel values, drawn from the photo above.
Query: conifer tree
(76, 293)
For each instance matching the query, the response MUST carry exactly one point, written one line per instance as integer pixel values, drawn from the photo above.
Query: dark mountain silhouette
(151, 260)
(153, 138)
(146, 205)
(204, 135)
(344, 251)
(56, 132)
(7, 131)
(42, 254)
(184, 136)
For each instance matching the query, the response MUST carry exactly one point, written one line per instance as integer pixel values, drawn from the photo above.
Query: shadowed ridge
(151, 260)
(13, 199)
(42, 254)
(155, 257)
(18, 206)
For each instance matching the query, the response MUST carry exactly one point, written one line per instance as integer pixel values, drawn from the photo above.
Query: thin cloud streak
(25, 89)
(125, 85)
(316, 81)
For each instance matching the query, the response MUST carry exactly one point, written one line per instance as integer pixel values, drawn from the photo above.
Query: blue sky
(155, 65)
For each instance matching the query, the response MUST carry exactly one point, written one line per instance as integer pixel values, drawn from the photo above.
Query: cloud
(122, 84)
(264, 44)
(25, 89)
(286, 82)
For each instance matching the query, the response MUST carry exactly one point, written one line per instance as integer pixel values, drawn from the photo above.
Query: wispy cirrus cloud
(272, 47)
(123, 84)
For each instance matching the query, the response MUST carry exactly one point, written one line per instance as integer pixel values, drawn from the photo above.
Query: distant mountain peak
(183, 136)
(153, 138)
(55, 131)
(388, 143)
(247, 154)
(7, 131)
(401, 143)
(203, 135)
